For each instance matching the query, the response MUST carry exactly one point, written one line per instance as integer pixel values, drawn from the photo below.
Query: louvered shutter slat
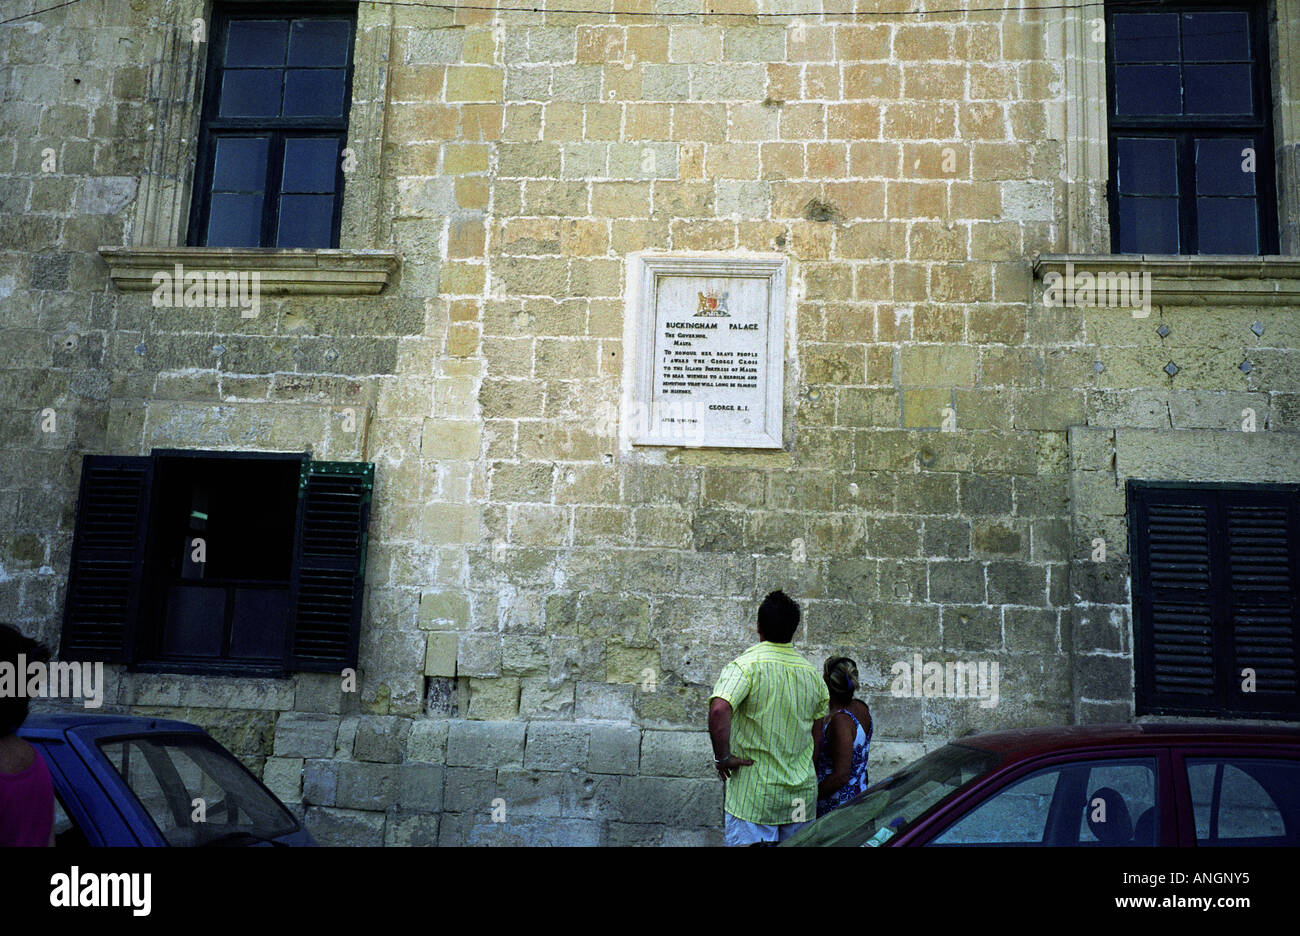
(99, 615)
(329, 565)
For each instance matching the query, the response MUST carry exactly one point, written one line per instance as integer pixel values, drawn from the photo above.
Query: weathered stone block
(381, 738)
(298, 734)
(677, 754)
(615, 749)
(671, 801)
(485, 744)
(345, 827)
(557, 746)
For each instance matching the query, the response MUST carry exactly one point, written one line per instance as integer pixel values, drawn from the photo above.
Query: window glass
(256, 43)
(1147, 166)
(1256, 798)
(1227, 225)
(1121, 805)
(1218, 89)
(1225, 167)
(1216, 37)
(169, 774)
(1016, 815)
(1148, 225)
(1148, 90)
(319, 42)
(1094, 803)
(1146, 37)
(310, 165)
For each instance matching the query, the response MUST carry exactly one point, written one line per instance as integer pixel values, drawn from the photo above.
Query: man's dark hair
(778, 616)
(13, 710)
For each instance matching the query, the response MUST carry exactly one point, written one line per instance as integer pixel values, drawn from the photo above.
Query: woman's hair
(841, 675)
(13, 707)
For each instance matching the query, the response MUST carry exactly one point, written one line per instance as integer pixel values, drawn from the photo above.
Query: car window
(195, 791)
(1015, 815)
(1121, 805)
(1089, 803)
(1245, 800)
(886, 809)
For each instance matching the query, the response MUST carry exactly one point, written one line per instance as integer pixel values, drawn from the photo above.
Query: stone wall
(546, 613)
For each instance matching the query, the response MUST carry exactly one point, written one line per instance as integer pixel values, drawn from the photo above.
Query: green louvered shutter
(329, 565)
(108, 552)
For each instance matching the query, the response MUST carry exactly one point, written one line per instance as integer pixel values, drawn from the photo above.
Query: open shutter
(108, 552)
(329, 565)
(1216, 582)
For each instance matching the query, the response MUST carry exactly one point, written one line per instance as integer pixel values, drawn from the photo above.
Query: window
(1096, 804)
(1240, 801)
(1216, 575)
(275, 119)
(1191, 168)
(229, 562)
(195, 792)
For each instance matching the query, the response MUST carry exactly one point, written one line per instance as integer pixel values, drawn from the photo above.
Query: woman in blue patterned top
(844, 738)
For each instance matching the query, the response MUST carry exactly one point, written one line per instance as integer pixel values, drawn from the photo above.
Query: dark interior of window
(223, 534)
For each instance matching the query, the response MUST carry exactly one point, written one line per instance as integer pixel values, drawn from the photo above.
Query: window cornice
(280, 272)
(1191, 280)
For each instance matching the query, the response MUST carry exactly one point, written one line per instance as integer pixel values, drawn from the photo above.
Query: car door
(82, 797)
(1117, 797)
(1237, 795)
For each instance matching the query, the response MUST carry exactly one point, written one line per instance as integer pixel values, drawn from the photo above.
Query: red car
(1089, 786)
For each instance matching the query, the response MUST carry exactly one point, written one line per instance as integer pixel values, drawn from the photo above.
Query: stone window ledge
(281, 272)
(1192, 280)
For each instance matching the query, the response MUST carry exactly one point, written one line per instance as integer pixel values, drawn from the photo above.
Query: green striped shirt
(775, 697)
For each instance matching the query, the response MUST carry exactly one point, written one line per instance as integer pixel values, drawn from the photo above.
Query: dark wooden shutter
(1262, 545)
(329, 565)
(1215, 583)
(108, 552)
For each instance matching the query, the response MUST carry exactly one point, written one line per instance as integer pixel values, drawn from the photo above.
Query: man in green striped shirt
(761, 718)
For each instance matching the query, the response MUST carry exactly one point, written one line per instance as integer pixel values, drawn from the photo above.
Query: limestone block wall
(546, 613)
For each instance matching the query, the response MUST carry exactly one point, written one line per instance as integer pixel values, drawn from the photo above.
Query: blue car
(126, 780)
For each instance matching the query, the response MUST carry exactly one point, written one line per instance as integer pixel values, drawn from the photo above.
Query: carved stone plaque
(709, 357)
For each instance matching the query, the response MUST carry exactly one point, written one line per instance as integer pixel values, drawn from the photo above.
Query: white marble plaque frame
(712, 411)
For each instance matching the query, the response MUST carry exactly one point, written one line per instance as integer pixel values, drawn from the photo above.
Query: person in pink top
(26, 794)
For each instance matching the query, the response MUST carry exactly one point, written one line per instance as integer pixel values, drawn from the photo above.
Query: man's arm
(720, 735)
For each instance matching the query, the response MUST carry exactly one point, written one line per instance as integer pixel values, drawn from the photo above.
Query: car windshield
(887, 808)
(195, 791)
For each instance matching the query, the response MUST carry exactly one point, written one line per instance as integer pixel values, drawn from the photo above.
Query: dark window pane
(256, 43)
(1148, 225)
(1147, 89)
(1219, 167)
(314, 92)
(1227, 226)
(195, 621)
(240, 164)
(235, 221)
(1146, 37)
(306, 220)
(319, 42)
(250, 93)
(1218, 89)
(259, 623)
(310, 165)
(1147, 167)
(1216, 37)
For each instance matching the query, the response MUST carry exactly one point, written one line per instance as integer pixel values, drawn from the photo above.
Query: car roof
(51, 724)
(1029, 742)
